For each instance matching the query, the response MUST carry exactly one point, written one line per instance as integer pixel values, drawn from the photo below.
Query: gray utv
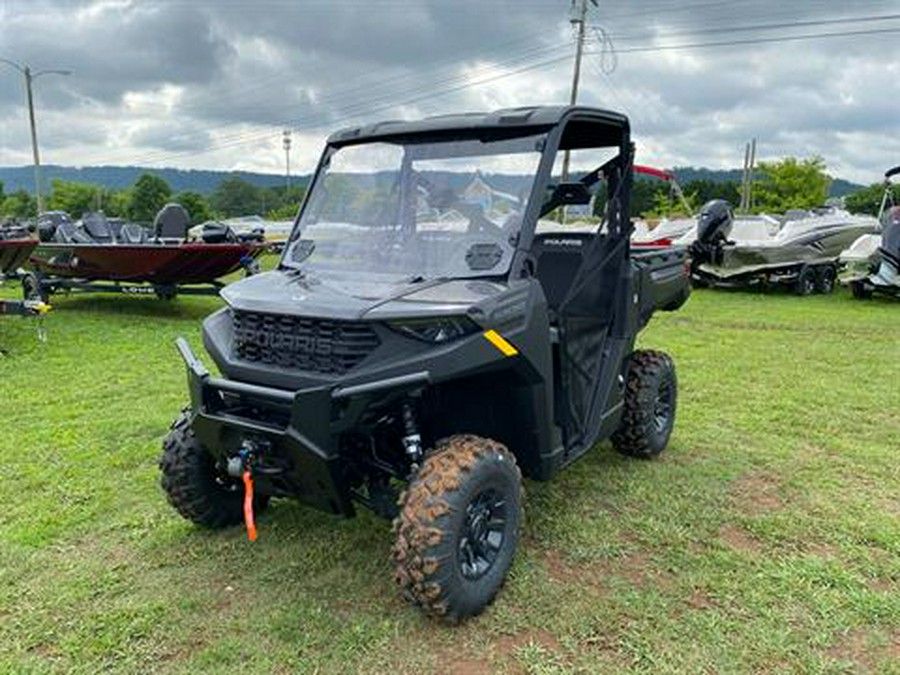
(430, 336)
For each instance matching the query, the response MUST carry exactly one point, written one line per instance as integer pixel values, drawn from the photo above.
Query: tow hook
(241, 466)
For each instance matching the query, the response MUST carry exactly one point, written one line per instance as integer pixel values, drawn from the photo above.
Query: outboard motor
(47, 223)
(214, 232)
(889, 270)
(713, 228)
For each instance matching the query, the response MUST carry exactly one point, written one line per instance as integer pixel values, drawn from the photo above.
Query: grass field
(766, 539)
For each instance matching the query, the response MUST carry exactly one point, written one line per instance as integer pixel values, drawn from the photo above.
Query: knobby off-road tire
(651, 395)
(458, 527)
(193, 484)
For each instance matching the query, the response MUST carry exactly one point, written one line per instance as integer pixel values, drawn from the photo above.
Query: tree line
(140, 203)
(778, 186)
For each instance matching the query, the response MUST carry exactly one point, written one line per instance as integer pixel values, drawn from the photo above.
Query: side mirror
(571, 193)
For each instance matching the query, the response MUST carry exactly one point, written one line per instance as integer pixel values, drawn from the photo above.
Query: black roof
(499, 121)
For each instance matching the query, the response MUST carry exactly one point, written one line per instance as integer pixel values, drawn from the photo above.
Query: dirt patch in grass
(466, 666)
(821, 550)
(866, 653)
(700, 599)
(757, 493)
(881, 585)
(737, 539)
(508, 644)
(637, 568)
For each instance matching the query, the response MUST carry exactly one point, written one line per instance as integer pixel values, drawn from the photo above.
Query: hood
(286, 292)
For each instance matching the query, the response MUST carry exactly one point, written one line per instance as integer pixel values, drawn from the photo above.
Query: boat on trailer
(668, 230)
(872, 263)
(803, 253)
(15, 248)
(94, 255)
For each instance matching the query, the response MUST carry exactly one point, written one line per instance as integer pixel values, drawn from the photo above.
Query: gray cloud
(210, 84)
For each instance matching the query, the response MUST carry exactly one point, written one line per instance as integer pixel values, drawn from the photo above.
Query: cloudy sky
(212, 84)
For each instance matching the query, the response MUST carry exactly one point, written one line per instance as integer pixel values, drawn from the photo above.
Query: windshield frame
(572, 127)
(426, 148)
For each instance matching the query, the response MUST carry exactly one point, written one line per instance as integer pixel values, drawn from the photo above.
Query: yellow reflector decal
(500, 343)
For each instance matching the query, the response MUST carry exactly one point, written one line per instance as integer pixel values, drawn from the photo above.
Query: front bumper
(296, 432)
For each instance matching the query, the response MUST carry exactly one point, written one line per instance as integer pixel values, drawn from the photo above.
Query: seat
(172, 222)
(558, 255)
(132, 233)
(69, 233)
(95, 226)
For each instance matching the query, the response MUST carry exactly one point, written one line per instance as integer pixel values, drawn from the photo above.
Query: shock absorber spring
(412, 440)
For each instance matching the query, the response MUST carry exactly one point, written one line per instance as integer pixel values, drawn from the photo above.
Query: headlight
(436, 330)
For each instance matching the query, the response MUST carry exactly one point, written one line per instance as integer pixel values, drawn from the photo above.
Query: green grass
(766, 539)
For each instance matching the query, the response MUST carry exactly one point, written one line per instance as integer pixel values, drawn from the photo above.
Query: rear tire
(806, 281)
(825, 279)
(651, 395)
(192, 483)
(860, 290)
(458, 527)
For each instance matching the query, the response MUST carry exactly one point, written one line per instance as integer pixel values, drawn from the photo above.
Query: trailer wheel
(458, 527)
(651, 394)
(860, 290)
(33, 289)
(806, 281)
(165, 291)
(825, 279)
(197, 489)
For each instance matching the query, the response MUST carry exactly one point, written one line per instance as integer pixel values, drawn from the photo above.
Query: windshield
(417, 210)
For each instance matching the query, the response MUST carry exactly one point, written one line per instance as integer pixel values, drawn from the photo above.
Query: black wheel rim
(662, 408)
(483, 534)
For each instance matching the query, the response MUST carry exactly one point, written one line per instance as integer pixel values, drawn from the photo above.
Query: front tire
(651, 395)
(197, 489)
(458, 527)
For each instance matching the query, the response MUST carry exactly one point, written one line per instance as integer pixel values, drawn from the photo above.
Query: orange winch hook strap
(248, 506)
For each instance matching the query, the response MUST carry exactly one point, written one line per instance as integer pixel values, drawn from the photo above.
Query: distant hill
(203, 181)
(118, 177)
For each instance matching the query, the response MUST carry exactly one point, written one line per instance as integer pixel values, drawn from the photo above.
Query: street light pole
(29, 79)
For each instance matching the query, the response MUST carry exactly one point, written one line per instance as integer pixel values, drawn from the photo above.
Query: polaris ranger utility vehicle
(418, 335)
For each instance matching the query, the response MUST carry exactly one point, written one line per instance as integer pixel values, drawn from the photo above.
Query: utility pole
(286, 143)
(750, 170)
(29, 79)
(747, 177)
(579, 18)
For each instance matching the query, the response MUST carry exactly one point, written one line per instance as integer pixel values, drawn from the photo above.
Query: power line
(764, 26)
(752, 41)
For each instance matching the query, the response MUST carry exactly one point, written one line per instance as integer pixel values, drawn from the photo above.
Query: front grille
(316, 345)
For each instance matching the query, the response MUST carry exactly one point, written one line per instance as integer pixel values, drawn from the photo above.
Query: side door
(595, 322)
